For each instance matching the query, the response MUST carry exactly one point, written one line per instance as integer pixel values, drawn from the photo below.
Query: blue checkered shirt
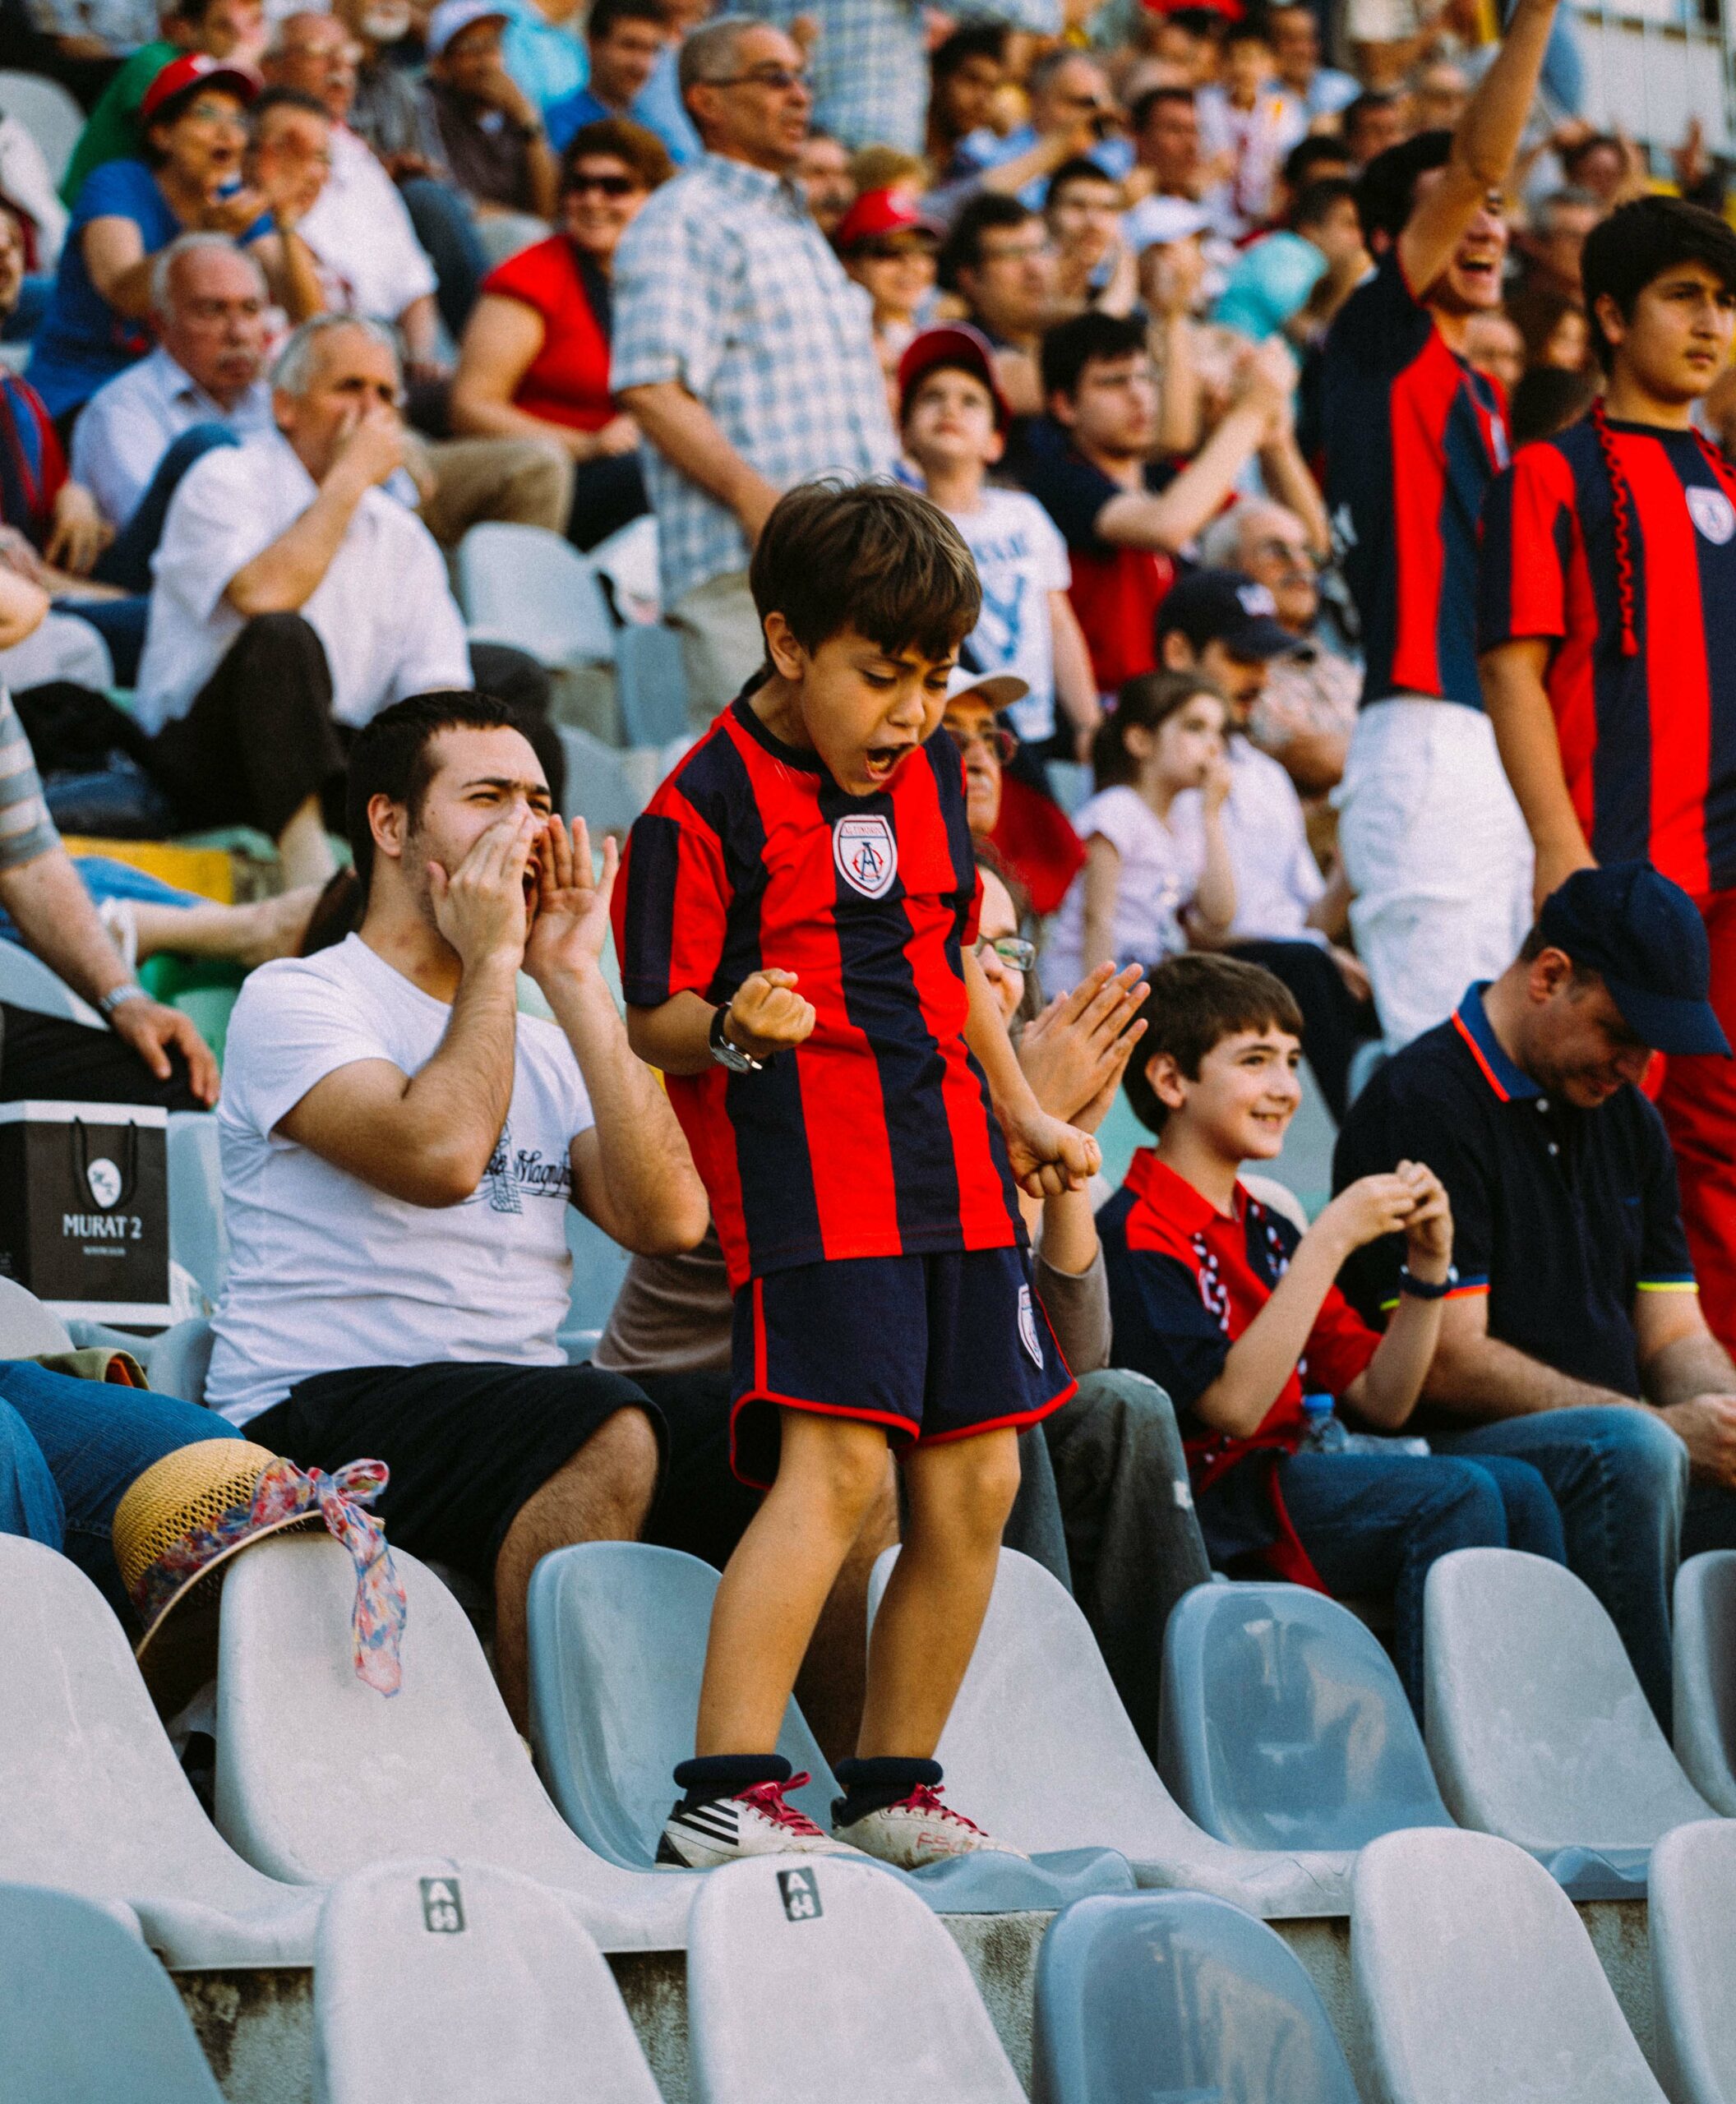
(724, 284)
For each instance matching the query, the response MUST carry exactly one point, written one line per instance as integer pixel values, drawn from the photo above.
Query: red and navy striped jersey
(1413, 439)
(1648, 737)
(875, 1138)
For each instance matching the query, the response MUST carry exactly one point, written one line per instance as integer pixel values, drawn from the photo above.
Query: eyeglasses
(992, 737)
(779, 78)
(1288, 553)
(605, 185)
(1013, 951)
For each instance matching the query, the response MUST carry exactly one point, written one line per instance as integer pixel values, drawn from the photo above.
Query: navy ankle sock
(872, 1785)
(721, 1774)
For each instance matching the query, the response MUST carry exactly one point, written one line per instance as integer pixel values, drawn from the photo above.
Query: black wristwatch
(726, 1054)
(1421, 1290)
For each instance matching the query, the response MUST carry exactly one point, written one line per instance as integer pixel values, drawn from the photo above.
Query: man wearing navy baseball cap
(1573, 1337)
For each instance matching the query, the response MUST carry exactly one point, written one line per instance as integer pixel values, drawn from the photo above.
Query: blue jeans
(1372, 1524)
(70, 1448)
(1620, 1477)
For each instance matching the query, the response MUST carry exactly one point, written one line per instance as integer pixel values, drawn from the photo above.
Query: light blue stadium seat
(87, 2015)
(1689, 1906)
(26, 982)
(1705, 1719)
(617, 1649)
(651, 684)
(197, 1238)
(1284, 1724)
(1178, 1998)
(599, 1264)
(525, 586)
(47, 111)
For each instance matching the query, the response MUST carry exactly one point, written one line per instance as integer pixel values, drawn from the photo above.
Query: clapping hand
(1074, 1053)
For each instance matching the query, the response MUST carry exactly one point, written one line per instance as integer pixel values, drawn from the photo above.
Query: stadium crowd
(1229, 554)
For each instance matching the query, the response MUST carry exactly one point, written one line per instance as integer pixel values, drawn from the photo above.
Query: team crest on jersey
(1027, 1328)
(1713, 514)
(867, 854)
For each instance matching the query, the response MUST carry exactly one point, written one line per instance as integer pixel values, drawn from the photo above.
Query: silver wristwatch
(110, 1001)
(729, 1055)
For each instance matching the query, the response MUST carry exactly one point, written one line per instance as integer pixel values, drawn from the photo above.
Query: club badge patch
(1027, 1328)
(1713, 514)
(867, 854)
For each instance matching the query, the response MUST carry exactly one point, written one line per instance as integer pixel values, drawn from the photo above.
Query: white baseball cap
(452, 17)
(1153, 223)
(998, 689)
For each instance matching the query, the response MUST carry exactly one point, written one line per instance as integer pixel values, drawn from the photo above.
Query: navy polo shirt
(1560, 1216)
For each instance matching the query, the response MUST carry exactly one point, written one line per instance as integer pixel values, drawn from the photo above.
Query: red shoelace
(766, 1799)
(926, 1797)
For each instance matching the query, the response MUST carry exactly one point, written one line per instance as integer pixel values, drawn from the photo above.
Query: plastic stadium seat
(819, 1980)
(1475, 1983)
(449, 1983)
(528, 587)
(605, 787)
(47, 111)
(87, 2015)
(1174, 1995)
(617, 1648)
(651, 684)
(599, 1264)
(1284, 1724)
(26, 982)
(27, 1329)
(1535, 1723)
(1705, 1676)
(318, 1776)
(196, 1237)
(177, 1363)
(1039, 1749)
(91, 1797)
(1690, 1905)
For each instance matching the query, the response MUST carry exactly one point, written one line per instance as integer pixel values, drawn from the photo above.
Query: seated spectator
(967, 70)
(203, 386)
(888, 247)
(954, 420)
(626, 39)
(1094, 266)
(1165, 126)
(130, 210)
(997, 260)
(1122, 517)
(1318, 90)
(1576, 1299)
(390, 1118)
(1073, 115)
(1247, 125)
(489, 130)
(1375, 121)
(1438, 96)
(1601, 164)
(823, 169)
(1222, 1302)
(292, 597)
(1493, 344)
(1295, 278)
(1152, 885)
(1221, 623)
(81, 43)
(1550, 249)
(534, 361)
(541, 49)
(1025, 829)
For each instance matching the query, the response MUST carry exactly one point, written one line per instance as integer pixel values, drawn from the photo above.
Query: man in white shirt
(1222, 623)
(293, 600)
(399, 1147)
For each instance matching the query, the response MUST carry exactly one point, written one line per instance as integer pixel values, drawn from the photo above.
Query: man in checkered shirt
(743, 350)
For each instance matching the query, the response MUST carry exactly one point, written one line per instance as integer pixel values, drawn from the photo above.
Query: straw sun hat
(182, 1521)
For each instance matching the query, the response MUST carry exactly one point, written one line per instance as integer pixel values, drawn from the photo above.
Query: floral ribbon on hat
(376, 1621)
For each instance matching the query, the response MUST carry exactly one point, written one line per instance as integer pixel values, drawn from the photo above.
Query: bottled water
(1327, 1433)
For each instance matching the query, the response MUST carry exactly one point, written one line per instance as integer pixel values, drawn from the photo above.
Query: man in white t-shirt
(399, 1147)
(292, 596)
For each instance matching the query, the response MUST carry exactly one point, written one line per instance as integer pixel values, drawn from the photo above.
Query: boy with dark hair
(796, 935)
(1433, 844)
(1607, 625)
(1219, 1300)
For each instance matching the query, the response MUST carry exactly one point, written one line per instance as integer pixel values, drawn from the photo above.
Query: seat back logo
(442, 1906)
(867, 854)
(800, 1892)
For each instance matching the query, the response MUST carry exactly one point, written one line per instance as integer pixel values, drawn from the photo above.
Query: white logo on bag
(1713, 514)
(104, 1180)
(1028, 1327)
(867, 854)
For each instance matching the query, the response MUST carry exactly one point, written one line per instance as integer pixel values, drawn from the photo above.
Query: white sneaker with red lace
(919, 1830)
(754, 1822)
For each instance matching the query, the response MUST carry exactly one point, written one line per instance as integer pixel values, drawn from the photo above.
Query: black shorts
(468, 1442)
(933, 1348)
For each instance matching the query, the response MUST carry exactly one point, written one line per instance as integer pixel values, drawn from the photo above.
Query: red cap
(197, 69)
(877, 213)
(956, 342)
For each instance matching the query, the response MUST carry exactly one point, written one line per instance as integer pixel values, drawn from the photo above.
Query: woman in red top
(534, 362)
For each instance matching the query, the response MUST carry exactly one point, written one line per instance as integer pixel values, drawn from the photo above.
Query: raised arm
(281, 578)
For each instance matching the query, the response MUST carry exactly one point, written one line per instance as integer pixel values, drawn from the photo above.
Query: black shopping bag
(83, 1208)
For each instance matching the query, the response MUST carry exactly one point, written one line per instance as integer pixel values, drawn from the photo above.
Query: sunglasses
(766, 76)
(893, 249)
(992, 737)
(605, 186)
(1013, 951)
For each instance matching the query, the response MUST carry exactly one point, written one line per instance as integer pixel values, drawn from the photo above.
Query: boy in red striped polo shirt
(798, 931)
(1607, 617)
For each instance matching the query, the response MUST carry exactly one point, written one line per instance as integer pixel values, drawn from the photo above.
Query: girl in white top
(1154, 880)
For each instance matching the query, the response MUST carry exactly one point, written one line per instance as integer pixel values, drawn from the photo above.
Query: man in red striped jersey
(1608, 628)
(796, 935)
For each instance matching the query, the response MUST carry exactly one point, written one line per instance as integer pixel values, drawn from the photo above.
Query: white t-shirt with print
(1161, 865)
(325, 1271)
(1020, 558)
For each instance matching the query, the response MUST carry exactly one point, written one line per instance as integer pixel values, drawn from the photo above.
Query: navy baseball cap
(1226, 607)
(1643, 936)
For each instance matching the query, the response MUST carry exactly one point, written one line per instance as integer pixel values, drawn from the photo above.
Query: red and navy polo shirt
(875, 1138)
(1413, 439)
(1648, 736)
(1562, 1216)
